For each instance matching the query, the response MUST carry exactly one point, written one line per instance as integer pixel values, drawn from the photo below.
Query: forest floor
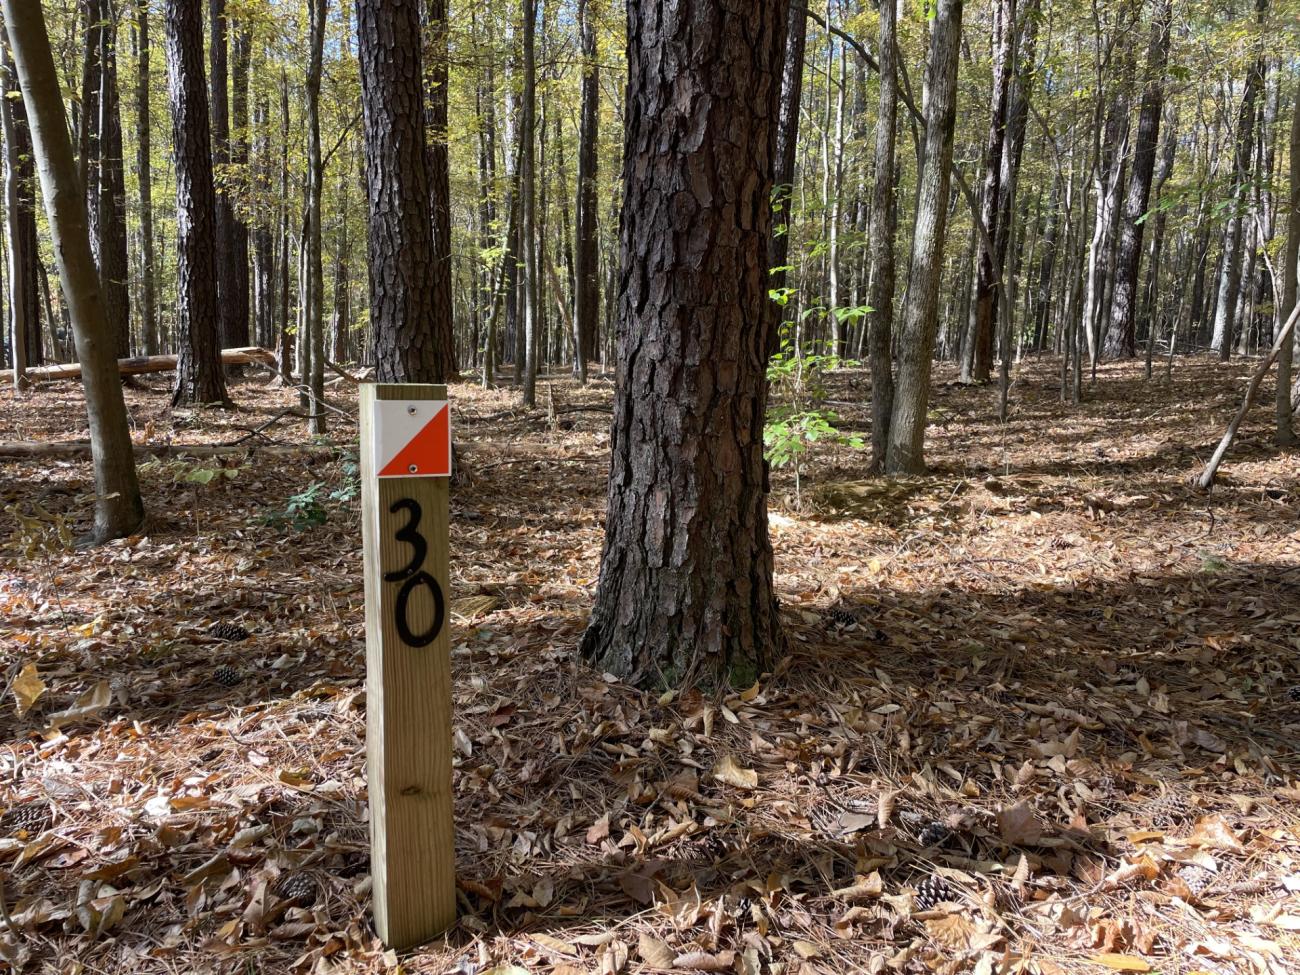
(1063, 656)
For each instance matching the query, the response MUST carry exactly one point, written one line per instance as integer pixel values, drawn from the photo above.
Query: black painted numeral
(415, 576)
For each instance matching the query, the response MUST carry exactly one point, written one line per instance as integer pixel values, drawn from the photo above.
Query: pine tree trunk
(118, 506)
(235, 282)
(20, 295)
(401, 246)
(586, 272)
(685, 591)
(285, 345)
(199, 377)
(906, 449)
(884, 220)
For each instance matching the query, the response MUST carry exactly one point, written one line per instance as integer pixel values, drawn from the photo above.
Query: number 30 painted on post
(413, 576)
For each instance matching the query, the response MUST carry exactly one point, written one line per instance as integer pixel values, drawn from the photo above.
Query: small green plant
(310, 508)
(799, 419)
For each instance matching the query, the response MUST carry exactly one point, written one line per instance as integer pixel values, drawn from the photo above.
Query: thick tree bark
(586, 272)
(989, 276)
(118, 507)
(685, 591)
(440, 186)
(906, 449)
(1121, 337)
(1285, 433)
(232, 281)
(884, 221)
(401, 247)
(199, 377)
(315, 289)
(144, 179)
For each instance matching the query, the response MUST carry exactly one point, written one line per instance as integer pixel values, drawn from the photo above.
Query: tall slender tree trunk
(685, 591)
(314, 377)
(236, 281)
(401, 246)
(586, 257)
(285, 345)
(989, 276)
(199, 377)
(1121, 337)
(1225, 319)
(144, 180)
(20, 295)
(906, 448)
(439, 186)
(787, 147)
(884, 220)
(1285, 431)
(119, 509)
(528, 203)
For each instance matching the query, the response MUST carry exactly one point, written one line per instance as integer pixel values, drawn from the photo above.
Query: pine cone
(296, 887)
(227, 676)
(934, 834)
(1196, 877)
(842, 619)
(934, 890)
(224, 630)
(1170, 809)
(31, 818)
(1293, 694)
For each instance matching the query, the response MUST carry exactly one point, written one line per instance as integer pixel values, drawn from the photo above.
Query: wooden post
(408, 662)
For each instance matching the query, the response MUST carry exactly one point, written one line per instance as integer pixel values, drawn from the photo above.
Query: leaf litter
(1049, 658)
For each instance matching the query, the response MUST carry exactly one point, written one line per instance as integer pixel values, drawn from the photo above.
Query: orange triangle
(429, 451)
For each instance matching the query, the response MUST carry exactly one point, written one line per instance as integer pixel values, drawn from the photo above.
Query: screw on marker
(413, 469)
(411, 410)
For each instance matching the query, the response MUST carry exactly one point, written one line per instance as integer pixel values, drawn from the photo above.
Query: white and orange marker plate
(412, 438)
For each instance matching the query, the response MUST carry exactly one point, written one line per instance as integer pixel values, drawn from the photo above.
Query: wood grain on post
(408, 690)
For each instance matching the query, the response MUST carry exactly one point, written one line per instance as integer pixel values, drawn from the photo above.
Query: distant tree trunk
(1285, 433)
(1121, 337)
(21, 241)
(199, 377)
(1042, 313)
(586, 272)
(1230, 271)
(284, 347)
(21, 296)
(237, 316)
(401, 247)
(884, 220)
(989, 276)
(439, 187)
(528, 204)
(487, 167)
(144, 178)
(119, 509)
(315, 290)
(233, 300)
(264, 291)
(906, 448)
(342, 317)
(685, 591)
(787, 147)
(105, 187)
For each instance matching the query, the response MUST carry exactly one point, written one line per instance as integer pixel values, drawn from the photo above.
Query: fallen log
(141, 364)
(78, 449)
